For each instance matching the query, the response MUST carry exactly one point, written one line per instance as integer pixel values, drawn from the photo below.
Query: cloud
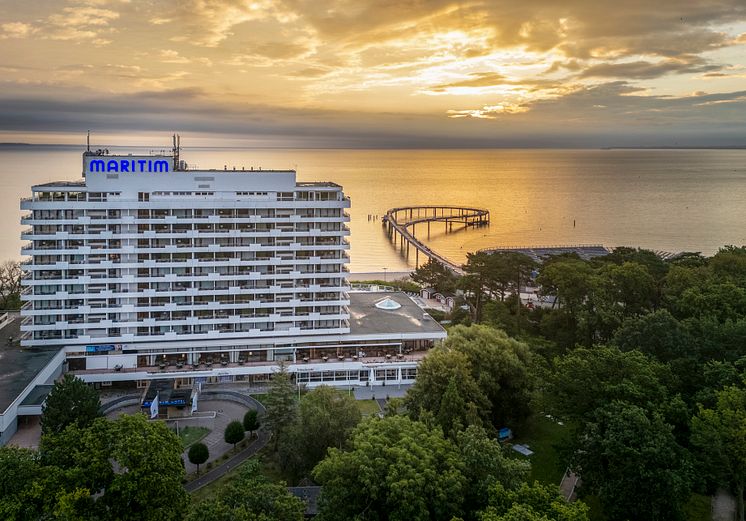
(171, 56)
(435, 67)
(489, 111)
(81, 22)
(16, 30)
(211, 22)
(476, 79)
(614, 113)
(645, 69)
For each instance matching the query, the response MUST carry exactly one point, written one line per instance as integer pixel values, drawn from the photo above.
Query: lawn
(267, 463)
(368, 407)
(699, 508)
(542, 435)
(191, 435)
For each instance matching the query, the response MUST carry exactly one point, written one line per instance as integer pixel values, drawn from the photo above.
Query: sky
(375, 73)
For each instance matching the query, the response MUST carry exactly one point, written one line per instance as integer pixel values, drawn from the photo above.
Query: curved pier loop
(401, 226)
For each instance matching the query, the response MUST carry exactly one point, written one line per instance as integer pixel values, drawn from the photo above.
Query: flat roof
(18, 367)
(367, 319)
(540, 253)
(60, 184)
(304, 184)
(37, 395)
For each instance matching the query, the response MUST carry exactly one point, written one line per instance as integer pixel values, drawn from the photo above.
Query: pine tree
(280, 404)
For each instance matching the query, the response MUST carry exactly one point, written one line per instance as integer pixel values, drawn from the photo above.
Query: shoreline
(379, 275)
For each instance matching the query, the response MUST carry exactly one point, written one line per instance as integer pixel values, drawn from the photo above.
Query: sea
(666, 200)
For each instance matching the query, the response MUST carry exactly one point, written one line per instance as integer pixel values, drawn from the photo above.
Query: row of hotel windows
(200, 300)
(407, 373)
(256, 274)
(289, 286)
(96, 229)
(287, 257)
(199, 213)
(114, 244)
(305, 325)
(306, 195)
(245, 256)
(206, 314)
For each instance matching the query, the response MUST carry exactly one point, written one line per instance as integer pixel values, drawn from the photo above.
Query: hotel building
(147, 270)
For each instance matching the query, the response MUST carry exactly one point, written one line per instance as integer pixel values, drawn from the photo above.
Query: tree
(531, 503)
(82, 453)
(720, 436)
(198, 454)
(280, 404)
(435, 275)
(250, 497)
(476, 276)
(31, 490)
(127, 469)
(452, 408)
(492, 381)
(587, 379)
(486, 464)
(251, 421)
(444, 367)
(71, 401)
(722, 300)
(19, 468)
(326, 418)
(629, 457)
(10, 285)
(395, 468)
(147, 484)
(234, 432)
(730, 262)
(501, 368)
(654, 265)
(618, 292)
(568, 280)
(656, 334)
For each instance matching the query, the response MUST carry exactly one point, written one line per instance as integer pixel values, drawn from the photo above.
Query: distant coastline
(61, 146)
(703, 147)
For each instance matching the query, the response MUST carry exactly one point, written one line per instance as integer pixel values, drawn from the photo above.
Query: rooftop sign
(127, 164)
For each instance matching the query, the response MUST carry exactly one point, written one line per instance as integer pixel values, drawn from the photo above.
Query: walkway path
(230, 464)
(570, 481)
(225, 412)
(723, 506)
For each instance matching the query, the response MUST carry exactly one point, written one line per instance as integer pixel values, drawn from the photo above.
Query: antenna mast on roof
(88, 141)
(177, 147)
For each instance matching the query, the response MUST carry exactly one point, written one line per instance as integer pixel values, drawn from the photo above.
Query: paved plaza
(224, 413)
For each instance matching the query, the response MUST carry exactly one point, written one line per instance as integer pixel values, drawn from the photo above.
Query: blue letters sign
(127, 164)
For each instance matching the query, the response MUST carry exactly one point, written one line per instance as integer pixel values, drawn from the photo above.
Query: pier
(401, 227)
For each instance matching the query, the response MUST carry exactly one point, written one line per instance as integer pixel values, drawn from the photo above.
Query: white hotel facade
(146, 270)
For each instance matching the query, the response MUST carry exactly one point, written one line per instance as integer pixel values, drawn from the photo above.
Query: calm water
(669, 200)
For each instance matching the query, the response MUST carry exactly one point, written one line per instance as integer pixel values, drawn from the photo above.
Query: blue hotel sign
(129, 165)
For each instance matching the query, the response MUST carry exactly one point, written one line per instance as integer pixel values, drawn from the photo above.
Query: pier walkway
(401, 226)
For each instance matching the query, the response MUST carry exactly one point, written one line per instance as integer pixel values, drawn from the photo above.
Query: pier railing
(401, 225)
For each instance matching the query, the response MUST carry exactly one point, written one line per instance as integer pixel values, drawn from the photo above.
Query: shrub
(234, 432)
(198, 454)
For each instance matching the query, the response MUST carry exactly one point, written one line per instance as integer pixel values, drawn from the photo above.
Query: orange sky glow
(386, 73)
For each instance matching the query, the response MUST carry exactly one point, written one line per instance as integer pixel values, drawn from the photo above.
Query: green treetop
(395, 468)
(71, 401)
